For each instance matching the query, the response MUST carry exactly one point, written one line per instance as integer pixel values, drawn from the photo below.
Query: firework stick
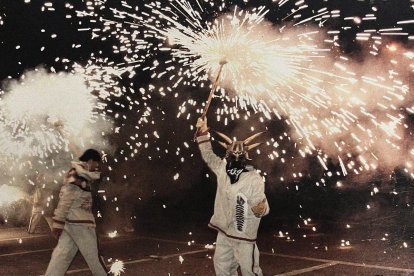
(210, 96)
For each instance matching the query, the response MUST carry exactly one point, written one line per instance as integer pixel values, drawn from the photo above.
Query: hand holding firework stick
(202, 125)
(210, 96)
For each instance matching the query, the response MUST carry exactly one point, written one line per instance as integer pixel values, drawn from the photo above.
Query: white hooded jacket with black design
(75, 198)
(232, 207)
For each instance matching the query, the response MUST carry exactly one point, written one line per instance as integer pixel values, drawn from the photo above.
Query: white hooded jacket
(75, 198)
(232, 208)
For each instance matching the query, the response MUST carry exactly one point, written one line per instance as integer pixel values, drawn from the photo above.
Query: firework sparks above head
(259, 58)
(295, 70)
(296, 75)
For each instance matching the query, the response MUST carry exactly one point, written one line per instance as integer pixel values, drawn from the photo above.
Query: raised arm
(203, 139)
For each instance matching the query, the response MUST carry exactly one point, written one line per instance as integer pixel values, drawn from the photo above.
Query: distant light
(392, 47)
(113, 234)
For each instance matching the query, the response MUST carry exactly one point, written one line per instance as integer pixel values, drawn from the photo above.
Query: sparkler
(249, 45)
(290, 71)
(117, 268)
(283, 68)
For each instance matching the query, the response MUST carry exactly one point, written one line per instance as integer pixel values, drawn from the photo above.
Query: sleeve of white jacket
(213, 161)
(67, 194)
(259, 194)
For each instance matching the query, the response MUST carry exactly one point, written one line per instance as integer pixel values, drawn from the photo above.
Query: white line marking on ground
(407, 270)
(167, 240)
(308, 269)
(24, 238)
(51, 249)
(25, 252)
(147, 259)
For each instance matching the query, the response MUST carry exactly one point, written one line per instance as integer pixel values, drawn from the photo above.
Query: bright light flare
(31, 106)
(259, 58)
(117, 268)
(9, 194)
(392, 47)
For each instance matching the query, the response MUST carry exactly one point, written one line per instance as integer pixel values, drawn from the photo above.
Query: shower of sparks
(34, 105)
(117, 268)
(244, 40)
(293, 70)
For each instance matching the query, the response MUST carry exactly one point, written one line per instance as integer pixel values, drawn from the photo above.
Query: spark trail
(292, 68)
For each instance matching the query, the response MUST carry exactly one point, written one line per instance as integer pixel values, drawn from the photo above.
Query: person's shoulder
(253, 173)
(70, 187)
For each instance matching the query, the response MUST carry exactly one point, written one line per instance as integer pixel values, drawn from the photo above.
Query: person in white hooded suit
(240, 204)
(73, 220)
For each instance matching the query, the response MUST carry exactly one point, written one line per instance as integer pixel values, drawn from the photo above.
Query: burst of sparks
(290, 68)
(117, 268)
(242, 39)
(32, 107)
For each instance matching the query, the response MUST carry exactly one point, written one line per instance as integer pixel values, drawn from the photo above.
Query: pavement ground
(350, 252)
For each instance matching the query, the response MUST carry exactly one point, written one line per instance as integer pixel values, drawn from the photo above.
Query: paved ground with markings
(358, 250)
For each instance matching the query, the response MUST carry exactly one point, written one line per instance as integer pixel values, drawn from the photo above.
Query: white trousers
(232, 253)
(76, 237)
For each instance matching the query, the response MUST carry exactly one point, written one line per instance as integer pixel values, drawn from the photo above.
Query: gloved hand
(56, 232)
(260, 209)
(202, 124)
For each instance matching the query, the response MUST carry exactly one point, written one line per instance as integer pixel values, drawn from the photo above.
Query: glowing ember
(117, 268)
(113, 234)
